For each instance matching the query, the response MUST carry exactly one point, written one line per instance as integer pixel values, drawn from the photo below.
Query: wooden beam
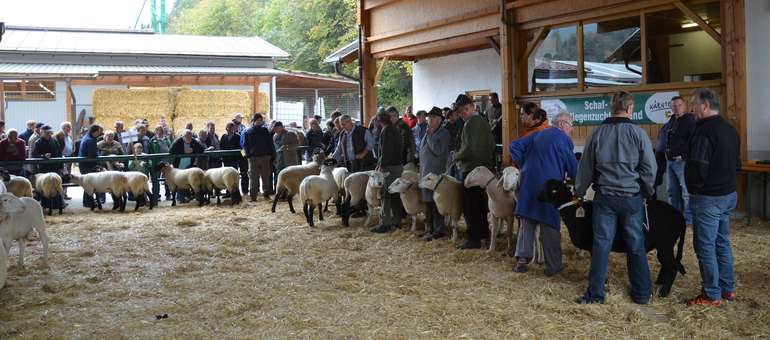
(539, 35)
(379, 70)
(510, 119)
(411, 49)
(138, 80)
(2, 100)
(70, 102)
(371, 4)
(581, 70)
(494, 44)
(643, 37)
(435, 24)
(567, 16)
(255, 98)
(698, 20)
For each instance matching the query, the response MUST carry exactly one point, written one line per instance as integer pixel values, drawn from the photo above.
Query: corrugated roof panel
(93, 70)
(20, 39)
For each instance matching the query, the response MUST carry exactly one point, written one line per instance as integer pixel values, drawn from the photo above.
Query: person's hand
(48, 155)
(379, 168)
(678, 158)
(210, 148)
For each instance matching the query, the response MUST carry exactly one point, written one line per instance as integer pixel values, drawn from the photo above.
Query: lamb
(447, 193)
(355, 191)
(137, 186)
(176, 179)
(19, 216)
(290, 178)
(227, 178)
(666, 230)
(19, 186)
(113, 182)
(411, 198)
(49, 186)
(339, 174)
(373, 193)
(502, 202)
(317, 189)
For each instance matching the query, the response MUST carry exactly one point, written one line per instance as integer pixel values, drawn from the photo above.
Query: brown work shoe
(702, 300)
(729, 296)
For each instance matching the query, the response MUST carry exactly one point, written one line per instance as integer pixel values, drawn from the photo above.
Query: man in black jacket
(680, 129)
(232, 141)
(257, 145)
(712, 167)
(391, 162)
(182, 146)
(47, 147)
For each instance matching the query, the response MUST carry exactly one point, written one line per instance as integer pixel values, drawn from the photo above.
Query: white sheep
(113, 182)
(407, 188)
(339, 174)
(226, 178)
(355, 191)
(447, 194)
(19, 216)
(290, 177)
(317, 189)
(49, 186)
(373, 194)
(501, 202)
(182, 179)
(137, 186)
(19, 186)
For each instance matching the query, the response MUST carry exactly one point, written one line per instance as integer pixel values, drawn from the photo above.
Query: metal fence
(294, 105)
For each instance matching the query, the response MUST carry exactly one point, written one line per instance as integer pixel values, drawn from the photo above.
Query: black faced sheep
(666, 230)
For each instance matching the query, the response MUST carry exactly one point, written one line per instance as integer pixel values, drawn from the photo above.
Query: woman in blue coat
(547, 154)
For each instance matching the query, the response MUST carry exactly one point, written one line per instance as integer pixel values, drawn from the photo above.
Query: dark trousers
(243, 167)
(433, 220)
(475, 212)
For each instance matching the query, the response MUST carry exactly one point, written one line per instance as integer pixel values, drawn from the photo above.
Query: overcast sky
(115, 14)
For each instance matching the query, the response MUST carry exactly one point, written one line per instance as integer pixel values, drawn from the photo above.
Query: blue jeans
(611, 213)
(677, 190)
(711, 240)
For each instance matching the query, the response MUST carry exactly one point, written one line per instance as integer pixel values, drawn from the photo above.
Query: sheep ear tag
(580, 212)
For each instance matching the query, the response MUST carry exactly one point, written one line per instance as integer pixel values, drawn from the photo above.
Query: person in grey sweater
(619, 162)
(434, 153)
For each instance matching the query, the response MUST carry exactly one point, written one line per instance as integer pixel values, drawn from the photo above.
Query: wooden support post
(71, 107)
(369, 67)
(581, 69)
(698, 20)
(379, 70)
(539, 36)
(2, 100)
(508, 86)
(255, 98)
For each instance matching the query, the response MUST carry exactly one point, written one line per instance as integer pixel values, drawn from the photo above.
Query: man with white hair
(354, 150)
(68, 149)
(542, 156)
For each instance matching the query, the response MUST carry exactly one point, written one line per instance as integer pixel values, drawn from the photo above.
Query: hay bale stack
(126, 105)
(202, 106)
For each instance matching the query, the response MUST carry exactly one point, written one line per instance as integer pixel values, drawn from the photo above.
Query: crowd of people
(698, 150)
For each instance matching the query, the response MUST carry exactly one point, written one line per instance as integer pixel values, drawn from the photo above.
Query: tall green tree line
(308, 29)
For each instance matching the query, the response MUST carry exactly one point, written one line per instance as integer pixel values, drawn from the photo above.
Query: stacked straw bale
(126, 105)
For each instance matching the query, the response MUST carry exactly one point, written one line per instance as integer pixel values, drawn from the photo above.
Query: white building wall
(18, 113)
(758, 78)
(438, 81)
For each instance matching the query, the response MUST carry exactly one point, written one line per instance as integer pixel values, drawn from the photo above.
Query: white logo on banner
(658, 106)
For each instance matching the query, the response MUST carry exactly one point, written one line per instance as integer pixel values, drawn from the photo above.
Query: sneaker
(520, 266)
(729, 296)
(381, 229)
(584, 300)
(702, 300)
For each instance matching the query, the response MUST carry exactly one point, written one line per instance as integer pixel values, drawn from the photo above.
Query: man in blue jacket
(88, 149)
(257, 145)
(541, 156)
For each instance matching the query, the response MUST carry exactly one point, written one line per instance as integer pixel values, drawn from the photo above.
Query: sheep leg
(235, 196)
(290, 199)
(173, 197)
(44, 240)
(275, 201)
(667, 272)
(310, 209)
(345, 212)
(327, 205)
(219, 201)
(414, 223)
(50, 206)
(22, 245)
(493, 233)
(321, 211)
(369, 215)
(453, 223)
(200, 197)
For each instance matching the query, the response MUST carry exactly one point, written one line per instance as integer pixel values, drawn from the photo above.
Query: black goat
(666, 230)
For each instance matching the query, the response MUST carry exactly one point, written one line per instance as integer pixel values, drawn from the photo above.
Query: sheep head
(430, 181)
(377, 179)
(318, 156)
(4, 173)
(160, 166)
(10, 204)
(478, 177)
(555, 192)
(511, 178)
(400, 185)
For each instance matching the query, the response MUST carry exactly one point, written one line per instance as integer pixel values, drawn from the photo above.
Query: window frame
(24, 95)
(540, 33)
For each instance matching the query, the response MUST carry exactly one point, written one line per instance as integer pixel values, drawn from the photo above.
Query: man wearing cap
(239, 126)
(434, 153)
(47, 147)
(477, 148)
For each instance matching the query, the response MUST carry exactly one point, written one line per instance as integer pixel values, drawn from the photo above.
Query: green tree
(308, 30)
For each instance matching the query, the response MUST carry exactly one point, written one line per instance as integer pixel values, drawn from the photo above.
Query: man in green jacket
(477, 148)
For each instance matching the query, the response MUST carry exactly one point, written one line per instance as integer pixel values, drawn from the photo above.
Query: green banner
(649, 108)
